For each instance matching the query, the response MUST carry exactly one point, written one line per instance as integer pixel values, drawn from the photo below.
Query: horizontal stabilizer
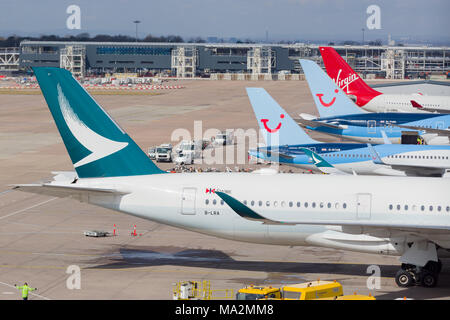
(317, 124)
(62, 191)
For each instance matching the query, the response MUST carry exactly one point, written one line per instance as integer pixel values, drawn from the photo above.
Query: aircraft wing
(63, 191)
(366, 226)
(418, 106)
(441, 132)
(270, 154)
(410, 170)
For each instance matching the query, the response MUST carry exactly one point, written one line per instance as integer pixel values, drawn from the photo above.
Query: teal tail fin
(97, 146)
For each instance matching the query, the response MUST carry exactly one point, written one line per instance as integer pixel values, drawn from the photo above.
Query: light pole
(363, 35)
(136, 22)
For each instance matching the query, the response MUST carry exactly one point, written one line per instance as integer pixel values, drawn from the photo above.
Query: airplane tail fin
(275, 123)
(345, 77)
(97, 146)
(330, 100)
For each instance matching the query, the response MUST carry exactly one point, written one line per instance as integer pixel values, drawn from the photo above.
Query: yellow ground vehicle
(351, 297)
(302, 291)
(312, 290)
(258, 292)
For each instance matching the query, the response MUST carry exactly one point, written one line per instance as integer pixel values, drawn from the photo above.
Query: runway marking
(34, 294)
(33, 206)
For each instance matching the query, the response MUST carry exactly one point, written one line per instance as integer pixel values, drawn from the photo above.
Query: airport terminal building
(225, 61)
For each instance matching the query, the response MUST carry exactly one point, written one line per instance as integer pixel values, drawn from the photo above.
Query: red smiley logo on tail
(325, 104)
(264, 121)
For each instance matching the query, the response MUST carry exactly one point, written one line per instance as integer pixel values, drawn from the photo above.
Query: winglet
(385, 138)
(321, 164)
(416, 105)
(375, 156)
(244, 211)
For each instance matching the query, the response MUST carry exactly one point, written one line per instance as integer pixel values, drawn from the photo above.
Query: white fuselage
(187, 201)
(402, 103)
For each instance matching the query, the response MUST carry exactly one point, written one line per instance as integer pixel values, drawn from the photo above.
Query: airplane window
(260, 203)
(431, 208)
(439, 208)
(221, 202)
(336, 205)
(306, 204)
(414, 207)
(422, 208)
(298, 204)
(313, 204)
(206, 201)
(448, 208)
(267, 203)
(329, 205)
(214, 202)
(406, 207)
(275, 203)
(290, 204)
(253, 203)
(321, 205)
(245, 202)
(283, 203)
(344, 206)
(391, 207)
(398, 207)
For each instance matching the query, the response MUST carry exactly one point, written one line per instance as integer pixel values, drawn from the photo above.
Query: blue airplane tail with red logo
(330, 100)
(278, 128)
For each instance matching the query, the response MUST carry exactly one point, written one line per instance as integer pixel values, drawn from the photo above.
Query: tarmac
(42, 237)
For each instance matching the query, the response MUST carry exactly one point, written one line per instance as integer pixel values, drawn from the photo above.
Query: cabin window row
(429, 208)
(290, 204)
(418, 157)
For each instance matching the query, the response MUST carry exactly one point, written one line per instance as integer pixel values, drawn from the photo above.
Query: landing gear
(426, 276)
(404, 278)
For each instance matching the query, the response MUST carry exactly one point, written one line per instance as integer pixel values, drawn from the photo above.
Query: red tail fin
(344, 76)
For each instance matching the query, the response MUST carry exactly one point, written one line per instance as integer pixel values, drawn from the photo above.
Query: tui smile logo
(264, 121)
(327, 104)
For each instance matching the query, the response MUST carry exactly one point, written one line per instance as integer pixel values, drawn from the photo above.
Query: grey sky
(284, 19)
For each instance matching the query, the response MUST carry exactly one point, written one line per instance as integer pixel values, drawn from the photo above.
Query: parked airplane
(375, 101)
(340, 116)
(366, 214)
(285, 141)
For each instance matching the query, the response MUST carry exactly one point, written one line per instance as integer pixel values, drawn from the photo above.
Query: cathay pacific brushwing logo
(97, 144)
(316, 161)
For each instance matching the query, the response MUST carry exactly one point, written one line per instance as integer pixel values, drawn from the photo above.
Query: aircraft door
(188, 201)
(440, 125)
(363, 205)
(371, 126)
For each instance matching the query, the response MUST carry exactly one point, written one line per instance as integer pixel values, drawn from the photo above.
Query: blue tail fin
(330, 100)
(97, 146)
(275, 123)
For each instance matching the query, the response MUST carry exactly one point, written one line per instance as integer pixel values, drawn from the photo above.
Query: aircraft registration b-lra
(402, 216)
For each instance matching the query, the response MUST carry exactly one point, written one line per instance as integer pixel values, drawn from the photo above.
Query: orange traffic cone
(114, 231)
(134, 234)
